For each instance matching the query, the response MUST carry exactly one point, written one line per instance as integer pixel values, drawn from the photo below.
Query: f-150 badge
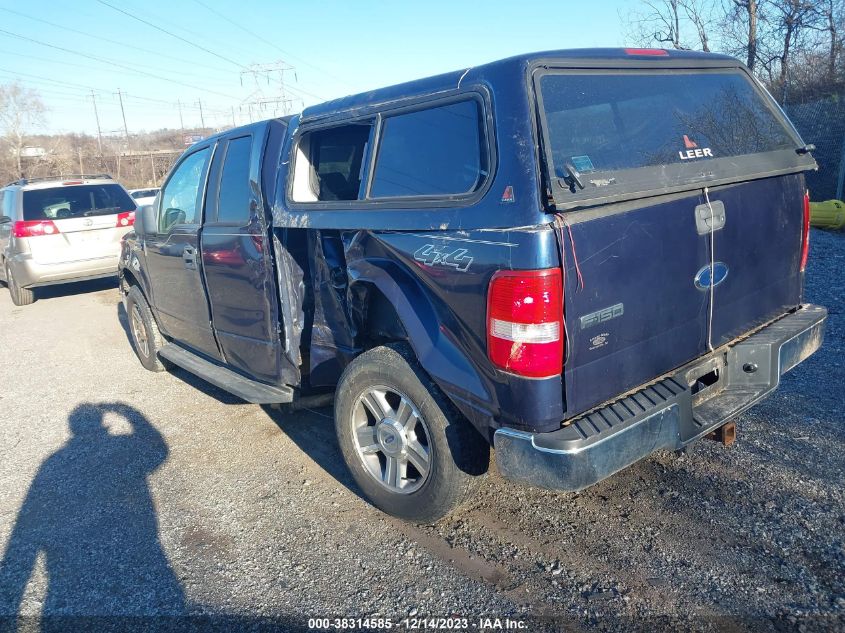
(432, 255)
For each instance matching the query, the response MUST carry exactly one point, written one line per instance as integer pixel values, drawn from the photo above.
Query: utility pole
(97, 117)
(81, 168)
(233, 117)
(123, 113)
(202, 118)
(181, 122)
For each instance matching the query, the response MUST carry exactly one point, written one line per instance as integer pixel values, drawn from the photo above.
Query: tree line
(794, 46)
(142, 160)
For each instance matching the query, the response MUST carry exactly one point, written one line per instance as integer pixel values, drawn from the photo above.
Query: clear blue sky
(336, 47)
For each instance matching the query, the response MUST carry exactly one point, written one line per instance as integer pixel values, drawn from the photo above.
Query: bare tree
(833, 21)
(788, 23)
(672, 23)
(701, 15)
(741, 19)
(21, 109)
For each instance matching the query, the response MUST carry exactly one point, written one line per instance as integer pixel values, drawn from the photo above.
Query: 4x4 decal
(432, 255)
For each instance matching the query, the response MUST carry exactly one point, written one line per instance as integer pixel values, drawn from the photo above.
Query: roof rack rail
(26, 181)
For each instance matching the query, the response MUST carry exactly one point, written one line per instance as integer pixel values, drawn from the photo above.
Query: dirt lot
(135, 494)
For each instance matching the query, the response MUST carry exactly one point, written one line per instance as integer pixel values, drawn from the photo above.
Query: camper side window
(330, 164)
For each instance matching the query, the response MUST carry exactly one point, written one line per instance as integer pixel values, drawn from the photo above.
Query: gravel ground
(126, 493)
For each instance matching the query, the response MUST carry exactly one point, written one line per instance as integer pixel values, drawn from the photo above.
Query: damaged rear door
(238, 259)
(680, 206)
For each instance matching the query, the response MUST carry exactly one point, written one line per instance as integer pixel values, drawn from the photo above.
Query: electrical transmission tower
(269, 98)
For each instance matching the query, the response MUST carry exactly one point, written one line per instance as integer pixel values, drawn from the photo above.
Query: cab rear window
(607, 122)
(75, 201)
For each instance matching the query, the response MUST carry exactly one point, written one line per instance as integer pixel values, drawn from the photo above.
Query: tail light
(525, 322)
(34, 228)
(805, 235)
(125, 219)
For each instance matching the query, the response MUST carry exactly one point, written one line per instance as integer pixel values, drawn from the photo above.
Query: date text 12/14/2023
(417, 623)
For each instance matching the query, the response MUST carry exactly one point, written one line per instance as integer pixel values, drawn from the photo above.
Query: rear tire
(143, 330)
(409, 451)
(20, 296)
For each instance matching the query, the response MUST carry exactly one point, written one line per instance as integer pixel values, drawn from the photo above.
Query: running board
(228, 380)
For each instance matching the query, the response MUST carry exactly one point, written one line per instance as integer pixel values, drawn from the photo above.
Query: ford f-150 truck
(578, 257)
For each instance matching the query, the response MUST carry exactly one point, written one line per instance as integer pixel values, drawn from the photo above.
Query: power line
(166, 105)
(271, 43)
(195, 45)
(171, 34)
(66, 63)
(111, 41)
(114, 63)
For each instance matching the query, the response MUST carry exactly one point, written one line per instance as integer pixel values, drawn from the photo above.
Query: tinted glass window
(234, 198)
(144, 193)
(430, 152)
(179, 199)
(58, 203)
(606, 122)
(337, 157)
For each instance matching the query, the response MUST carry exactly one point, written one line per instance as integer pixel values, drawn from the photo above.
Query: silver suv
(61, 229)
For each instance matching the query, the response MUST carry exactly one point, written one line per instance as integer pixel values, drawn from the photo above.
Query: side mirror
(148, 220)
(5, 219)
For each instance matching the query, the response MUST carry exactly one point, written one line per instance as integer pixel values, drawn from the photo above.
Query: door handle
(189, 257)
(709, 217)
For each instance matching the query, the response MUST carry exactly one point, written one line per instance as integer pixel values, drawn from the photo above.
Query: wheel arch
(409, 313)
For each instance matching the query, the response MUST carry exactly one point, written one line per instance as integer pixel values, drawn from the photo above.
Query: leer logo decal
(432, 255)
(693, 151)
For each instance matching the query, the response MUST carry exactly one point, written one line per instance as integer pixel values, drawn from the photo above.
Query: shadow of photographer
(90, 516)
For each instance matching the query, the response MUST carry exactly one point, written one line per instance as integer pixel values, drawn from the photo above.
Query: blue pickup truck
(577, 257)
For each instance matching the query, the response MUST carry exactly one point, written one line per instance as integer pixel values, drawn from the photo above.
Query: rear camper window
(601, 124)
(75, 201)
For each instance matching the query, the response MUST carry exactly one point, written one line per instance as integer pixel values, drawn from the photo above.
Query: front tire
(20, 296)
(408, 450)
(146, 338)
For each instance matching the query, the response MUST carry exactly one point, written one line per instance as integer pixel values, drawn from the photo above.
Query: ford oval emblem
(703, 280)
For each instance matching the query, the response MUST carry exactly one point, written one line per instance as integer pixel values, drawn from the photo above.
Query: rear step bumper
(665, 414)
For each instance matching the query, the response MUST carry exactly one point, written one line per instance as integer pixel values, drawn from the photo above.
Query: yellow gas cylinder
(827, 215)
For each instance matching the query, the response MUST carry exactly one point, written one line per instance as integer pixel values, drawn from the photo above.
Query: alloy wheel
(392, 439)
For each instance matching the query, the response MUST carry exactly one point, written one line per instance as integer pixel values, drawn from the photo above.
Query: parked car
(144, 196)
(579, 257)
(61, 229)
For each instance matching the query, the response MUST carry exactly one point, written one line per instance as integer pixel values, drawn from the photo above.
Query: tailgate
(680, 197)
(79, 239)
(641, 313)
(84, 221)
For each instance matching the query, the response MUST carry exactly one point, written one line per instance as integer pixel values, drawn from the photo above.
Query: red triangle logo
(688, 143)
